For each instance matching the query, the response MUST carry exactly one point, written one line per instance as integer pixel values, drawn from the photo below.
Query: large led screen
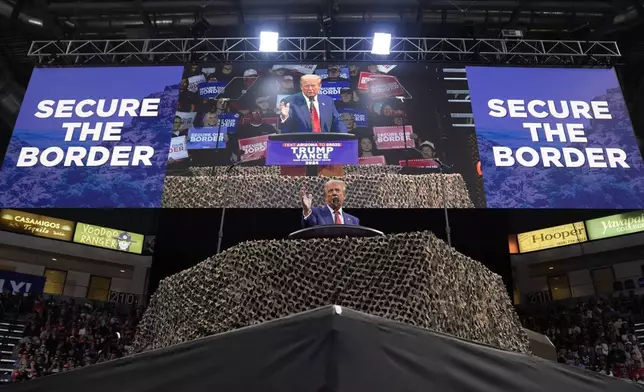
(373, 102)
(158, 136)
(91, 137)
(394, 112)
(555, 138)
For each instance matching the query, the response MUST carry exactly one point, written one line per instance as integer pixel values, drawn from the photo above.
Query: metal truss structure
(354, 49)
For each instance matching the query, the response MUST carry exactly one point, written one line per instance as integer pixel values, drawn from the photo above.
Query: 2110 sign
(123, 298)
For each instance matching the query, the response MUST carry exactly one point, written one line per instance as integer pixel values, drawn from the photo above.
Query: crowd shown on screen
(59, 337)
(597, 334)
(251, 100)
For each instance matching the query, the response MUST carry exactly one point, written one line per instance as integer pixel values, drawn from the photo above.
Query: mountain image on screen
(94, 187)
(585, 187)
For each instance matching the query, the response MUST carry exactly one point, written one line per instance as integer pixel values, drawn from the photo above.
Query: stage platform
(264, 187)
(413, 278)
(330, 349)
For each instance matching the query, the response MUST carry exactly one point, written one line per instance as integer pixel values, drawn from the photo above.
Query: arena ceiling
(26, 20)
(22, 21)
(145, 18)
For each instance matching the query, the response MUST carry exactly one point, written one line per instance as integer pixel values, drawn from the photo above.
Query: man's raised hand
(285, 109)
(307, 201)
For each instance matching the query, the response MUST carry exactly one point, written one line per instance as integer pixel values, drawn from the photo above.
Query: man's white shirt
(332, 214)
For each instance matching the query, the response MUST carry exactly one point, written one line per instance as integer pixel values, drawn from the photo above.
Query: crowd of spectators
(63, 335)
(597, 334)
(10, 303)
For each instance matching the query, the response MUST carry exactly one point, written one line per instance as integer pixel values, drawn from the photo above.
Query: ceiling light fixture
(268, 41)
(381, 43)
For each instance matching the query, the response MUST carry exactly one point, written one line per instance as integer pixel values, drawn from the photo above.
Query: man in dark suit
(309, 111)
(335, 192)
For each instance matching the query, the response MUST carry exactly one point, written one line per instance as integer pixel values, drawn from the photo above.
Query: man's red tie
(315, 119)
(338, 220)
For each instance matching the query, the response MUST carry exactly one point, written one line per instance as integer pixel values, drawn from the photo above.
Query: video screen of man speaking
(310, 111)
(304, 98)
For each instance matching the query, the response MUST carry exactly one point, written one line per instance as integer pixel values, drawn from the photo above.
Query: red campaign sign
(254, 148)
(378, 160)
(426, 162)
(392, 138)
(366, 77)
(385, 87)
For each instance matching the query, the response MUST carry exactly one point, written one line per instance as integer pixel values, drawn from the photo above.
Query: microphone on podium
(441, 164)
(336, 201)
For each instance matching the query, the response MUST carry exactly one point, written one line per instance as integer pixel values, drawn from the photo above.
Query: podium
(334, 231)
(319, 154)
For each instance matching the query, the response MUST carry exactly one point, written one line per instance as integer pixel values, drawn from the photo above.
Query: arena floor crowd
(61, 335)
(594, 333)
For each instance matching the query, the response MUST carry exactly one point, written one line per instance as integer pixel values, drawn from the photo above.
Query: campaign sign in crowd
(254, 148)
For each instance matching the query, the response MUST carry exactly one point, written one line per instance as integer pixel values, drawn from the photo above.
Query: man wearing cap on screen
(347, 99)
(427, 149)
(310, 111)
(335, 191)
(334, 73)
(250, 76)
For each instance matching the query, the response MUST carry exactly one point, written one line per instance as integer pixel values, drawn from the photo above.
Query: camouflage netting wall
(263, 187)
(413, 278)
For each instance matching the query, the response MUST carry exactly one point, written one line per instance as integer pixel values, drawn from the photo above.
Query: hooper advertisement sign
(552, 237)
(37, 225)
(107, 238)
(615, 225)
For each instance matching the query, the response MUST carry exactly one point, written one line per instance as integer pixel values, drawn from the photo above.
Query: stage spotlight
(381, 43)
(268, 41)
(35, 22)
